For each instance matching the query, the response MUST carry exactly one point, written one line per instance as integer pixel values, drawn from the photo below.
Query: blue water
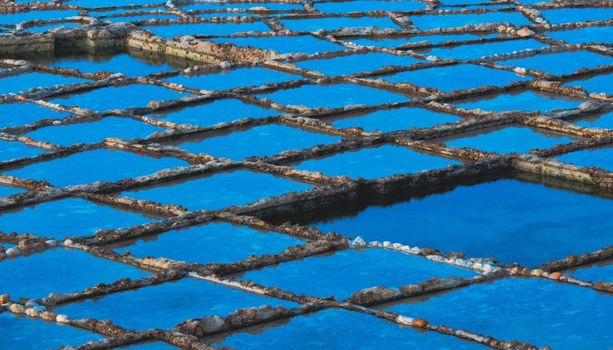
(44, 28)
(461, 2)
(220, 190)
(582, 35)
(333, 23)
(225, 15)
(352, 271)
(427, 22)
(149, 346)
(107, 3)
(120, 63)
(487, 6)
(145, 17)
(395, 119)
(597, 84)
(221, 5)
(577, 14)
(526, 101)
(560, 63)
(467, 52)
(17, 18)
(13, 114)
(455, 77)
(96, 165)
(369, 5)
(28, 334)
(506, 219)
(15, 149)
(148, 307)
(6, 191)
(536, 311)
(211, 113)
(168, 31)
(375, 162)
(333, 96)
(596, 272)
(200, 243)
(356, 63)
(67, 217)
(23, 82)
(265, 140)
(98, 12)
(340, 330)
(127, 96)
(530, 2)
(604, 121)
(393, 42)
(597, 157)
(508, 139)
(92, 132)
(233, 78)
(60, 271)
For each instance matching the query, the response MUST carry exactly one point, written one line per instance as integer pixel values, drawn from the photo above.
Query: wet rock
(419, 322)
(373, 295)
(4, 298)
(212, 324)
(604, 286)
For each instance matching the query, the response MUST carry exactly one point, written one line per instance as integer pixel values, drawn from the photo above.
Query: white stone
(404, 320)
(17, 308)
(32, 312)
(61, 318)
(213, 323)
(14, 251)
(358, 242)
(524, 32)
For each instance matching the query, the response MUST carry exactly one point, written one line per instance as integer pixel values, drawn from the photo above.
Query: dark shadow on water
(103, 55)
(253, 330)
(352, 207)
